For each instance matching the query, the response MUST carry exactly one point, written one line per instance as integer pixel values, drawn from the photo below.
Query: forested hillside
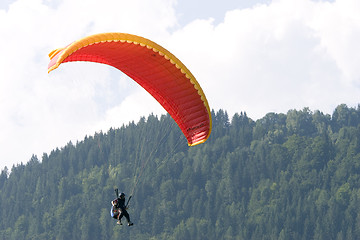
(284, 176)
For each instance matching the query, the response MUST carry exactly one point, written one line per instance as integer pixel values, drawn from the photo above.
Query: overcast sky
(255, 56)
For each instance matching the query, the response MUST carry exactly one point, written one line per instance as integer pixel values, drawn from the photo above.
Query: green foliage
(285, 176)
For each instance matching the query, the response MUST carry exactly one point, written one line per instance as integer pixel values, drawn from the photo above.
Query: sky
(253, 56)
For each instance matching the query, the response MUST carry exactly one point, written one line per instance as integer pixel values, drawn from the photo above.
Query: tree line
(284, 176)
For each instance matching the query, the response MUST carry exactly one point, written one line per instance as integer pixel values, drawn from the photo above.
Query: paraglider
(153, 67)
(159, 72)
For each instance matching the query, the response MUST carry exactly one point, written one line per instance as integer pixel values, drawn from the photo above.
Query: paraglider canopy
(154, 68)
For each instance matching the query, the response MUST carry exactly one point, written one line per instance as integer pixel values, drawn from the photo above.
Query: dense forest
(284, 176)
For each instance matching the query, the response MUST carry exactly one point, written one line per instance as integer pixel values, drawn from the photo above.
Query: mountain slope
(285, 176)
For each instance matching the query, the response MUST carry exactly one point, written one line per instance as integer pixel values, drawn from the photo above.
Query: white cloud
(140, 103)
(288, 54)
(338, 28)
(270, 57)
(41, 111)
